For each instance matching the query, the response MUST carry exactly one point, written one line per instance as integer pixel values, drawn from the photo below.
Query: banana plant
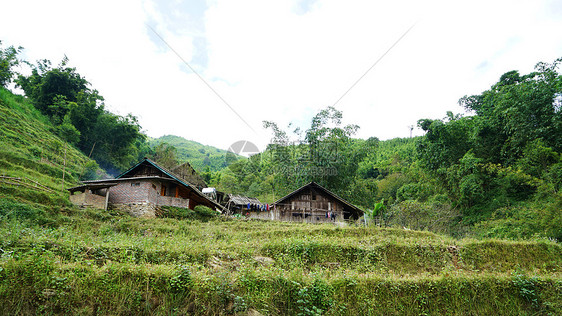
(378, 210)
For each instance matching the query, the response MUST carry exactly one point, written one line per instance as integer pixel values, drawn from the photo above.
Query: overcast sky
(285, 60)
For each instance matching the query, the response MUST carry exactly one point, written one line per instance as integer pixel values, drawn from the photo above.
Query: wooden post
(64, 167)
(92, 150)
(106, 198)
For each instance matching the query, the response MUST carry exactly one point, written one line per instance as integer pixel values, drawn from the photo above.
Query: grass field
(94, 262)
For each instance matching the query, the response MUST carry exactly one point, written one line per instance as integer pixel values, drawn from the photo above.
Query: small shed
(91, 195)
(240, 202)
(247, 206)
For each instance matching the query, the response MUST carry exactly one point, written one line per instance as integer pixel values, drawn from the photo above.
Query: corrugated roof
(92, 186)
(242, 200)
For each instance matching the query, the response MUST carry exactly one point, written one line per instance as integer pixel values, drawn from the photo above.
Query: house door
(163, 190)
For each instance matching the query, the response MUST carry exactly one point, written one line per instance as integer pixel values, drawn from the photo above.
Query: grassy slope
(195, 153)
(29, 150)
(55, 258)
(114, 264)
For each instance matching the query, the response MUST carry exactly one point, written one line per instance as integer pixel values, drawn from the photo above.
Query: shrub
(200, 212)
(177, 213)
(204, 213)
(181, 282)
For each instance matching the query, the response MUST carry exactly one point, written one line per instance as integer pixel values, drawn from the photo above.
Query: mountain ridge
(198, 155)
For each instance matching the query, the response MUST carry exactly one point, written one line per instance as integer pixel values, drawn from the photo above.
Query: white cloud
(285, 60)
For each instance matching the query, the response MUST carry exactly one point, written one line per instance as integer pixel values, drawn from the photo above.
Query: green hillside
(198, 155)
(32, 158)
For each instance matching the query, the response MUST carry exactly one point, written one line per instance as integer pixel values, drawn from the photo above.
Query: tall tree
(518, 110)
(46, 84)
(8, 60)
(166, 155)
(325, 153)
(79, 115)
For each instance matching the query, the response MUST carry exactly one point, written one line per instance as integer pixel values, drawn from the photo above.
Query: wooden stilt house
(313, 203)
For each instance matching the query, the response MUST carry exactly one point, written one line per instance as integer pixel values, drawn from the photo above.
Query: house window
(163, 190)
(136, 184)
(313, 196)
(154, 186)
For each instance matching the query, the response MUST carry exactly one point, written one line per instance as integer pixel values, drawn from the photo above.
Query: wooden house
(313, 203)
(140, 190)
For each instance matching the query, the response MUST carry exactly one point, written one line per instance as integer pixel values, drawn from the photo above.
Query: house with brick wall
(141, 190)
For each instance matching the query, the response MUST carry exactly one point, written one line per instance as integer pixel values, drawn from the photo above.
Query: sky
(213, 71)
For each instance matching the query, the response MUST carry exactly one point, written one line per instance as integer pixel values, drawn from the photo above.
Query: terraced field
(88, 261)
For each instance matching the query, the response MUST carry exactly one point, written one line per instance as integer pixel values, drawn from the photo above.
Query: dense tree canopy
(518, 110)
(495, 171)
(79, 115)
(508, 152)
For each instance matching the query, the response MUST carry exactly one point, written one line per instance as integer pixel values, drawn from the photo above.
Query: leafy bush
(181, 282)
(437, 215)
(177, 212)
(200, 213)
(205, 213)
(527, 288)
(314, 299)
(523, 221)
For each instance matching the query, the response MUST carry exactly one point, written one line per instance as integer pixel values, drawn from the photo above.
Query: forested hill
(77, 112)
(201, 157)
